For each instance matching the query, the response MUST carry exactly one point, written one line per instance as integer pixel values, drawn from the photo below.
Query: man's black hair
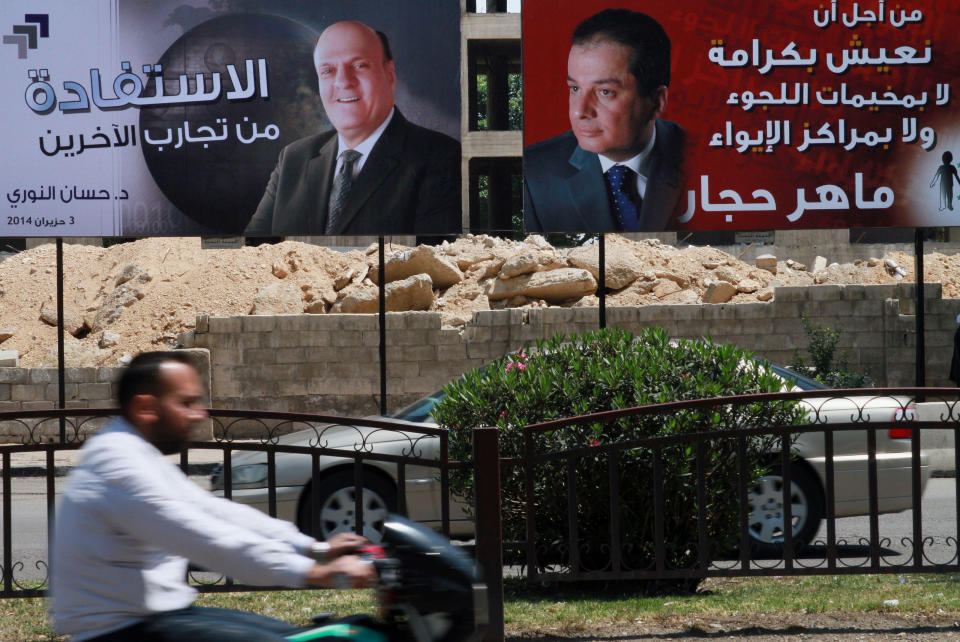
(648, 43)
(142, 375)
(387, 54)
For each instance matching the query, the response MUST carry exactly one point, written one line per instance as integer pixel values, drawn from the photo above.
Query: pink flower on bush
(509, 367)
(521, 366)
(503, 414)
(594, 442)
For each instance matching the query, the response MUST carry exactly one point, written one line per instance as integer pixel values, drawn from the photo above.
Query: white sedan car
(850, 462)
(294, 490)
(336, 491)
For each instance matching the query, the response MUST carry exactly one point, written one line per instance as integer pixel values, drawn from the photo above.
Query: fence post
(486, 470)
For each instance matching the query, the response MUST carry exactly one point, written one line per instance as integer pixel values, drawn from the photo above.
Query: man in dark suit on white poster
(375, 172)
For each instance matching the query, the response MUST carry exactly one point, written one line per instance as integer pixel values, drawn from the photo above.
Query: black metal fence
(701, 512)
(598, 500)
(366, 451)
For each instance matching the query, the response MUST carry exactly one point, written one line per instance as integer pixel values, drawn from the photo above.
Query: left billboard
(221, 117)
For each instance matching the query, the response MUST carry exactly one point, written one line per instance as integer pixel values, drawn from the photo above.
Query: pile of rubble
(140, 295)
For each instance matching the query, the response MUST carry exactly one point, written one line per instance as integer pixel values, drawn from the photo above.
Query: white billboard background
(95, 172)
(38, 187)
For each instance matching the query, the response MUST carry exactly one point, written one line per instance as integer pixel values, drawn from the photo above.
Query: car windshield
(419, 411)
(798, 380)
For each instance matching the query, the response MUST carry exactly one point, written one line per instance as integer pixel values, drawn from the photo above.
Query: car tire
(338, 505)
(765, 520)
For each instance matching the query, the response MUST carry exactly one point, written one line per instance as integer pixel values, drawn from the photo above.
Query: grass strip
(572, 608)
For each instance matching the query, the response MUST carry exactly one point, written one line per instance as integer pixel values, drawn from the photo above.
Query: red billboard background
(769, 84)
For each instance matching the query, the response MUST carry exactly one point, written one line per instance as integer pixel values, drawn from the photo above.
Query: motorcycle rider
(130, 520)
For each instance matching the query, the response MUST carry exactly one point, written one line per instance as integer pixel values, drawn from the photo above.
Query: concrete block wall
(296, 363)
(84, 387)
(37, 389)
(330, 363)
(877, 322)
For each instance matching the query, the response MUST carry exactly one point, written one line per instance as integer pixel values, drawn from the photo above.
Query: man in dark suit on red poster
(620, 167)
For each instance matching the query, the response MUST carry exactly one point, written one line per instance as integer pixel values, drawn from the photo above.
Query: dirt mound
(140, 295)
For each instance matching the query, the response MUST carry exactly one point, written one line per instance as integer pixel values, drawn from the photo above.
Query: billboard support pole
(918, 293)
(61, 387)
(602, 280)
(382, 320)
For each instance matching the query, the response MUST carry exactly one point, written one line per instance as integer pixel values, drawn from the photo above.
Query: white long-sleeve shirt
(127, 524)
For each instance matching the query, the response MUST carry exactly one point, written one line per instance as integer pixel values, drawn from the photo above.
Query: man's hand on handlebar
(346, 571)
(338, 566)
(344, 543)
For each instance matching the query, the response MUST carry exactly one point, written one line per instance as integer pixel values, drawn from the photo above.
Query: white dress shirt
(640, 164)
(127, 524)
(364, 148)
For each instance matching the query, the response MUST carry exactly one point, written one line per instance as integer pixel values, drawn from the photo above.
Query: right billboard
(739, 115)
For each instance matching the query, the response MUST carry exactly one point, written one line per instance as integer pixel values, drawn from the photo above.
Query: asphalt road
(939, 524)
(29, 519)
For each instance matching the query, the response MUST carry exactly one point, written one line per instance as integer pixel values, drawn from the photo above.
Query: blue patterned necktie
(342, 183)
(624, 208)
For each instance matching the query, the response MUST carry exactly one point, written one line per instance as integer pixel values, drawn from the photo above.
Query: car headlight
(249, 474)
(216, 478)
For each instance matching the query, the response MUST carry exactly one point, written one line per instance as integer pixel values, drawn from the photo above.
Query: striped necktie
(342, 183)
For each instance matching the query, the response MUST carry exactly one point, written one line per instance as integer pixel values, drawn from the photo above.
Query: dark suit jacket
(564, 188)
(409, 184)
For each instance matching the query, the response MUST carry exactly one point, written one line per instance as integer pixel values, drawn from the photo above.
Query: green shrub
(607, 370)
(827, 365)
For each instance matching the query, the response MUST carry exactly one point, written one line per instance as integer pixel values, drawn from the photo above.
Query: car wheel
(766, 509)
(338, 506)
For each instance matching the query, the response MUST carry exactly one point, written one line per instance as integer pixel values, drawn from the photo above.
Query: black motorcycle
(427, 590)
